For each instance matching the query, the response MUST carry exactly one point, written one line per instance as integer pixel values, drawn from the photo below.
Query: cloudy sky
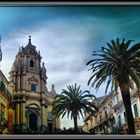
(66, 37)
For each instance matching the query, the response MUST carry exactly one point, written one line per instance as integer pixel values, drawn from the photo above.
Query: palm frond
(111, 61)
(73, 102)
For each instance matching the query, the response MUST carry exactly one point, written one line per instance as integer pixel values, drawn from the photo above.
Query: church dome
(29, 48)
(29, 45)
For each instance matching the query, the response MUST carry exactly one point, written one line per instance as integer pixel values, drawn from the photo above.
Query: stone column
(18, 81)
(57, 122)
(25, 61)
(17, 113)
(42, 84)
(42, 113)
(14, 79)
(23, 113)
(24, 80)
(43, 116)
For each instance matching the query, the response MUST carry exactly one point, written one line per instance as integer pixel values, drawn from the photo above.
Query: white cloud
(63, 48)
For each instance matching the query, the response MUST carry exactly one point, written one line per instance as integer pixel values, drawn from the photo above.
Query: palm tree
(117, 64)
(73, 102)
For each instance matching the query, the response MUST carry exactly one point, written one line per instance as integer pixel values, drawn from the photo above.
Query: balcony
(123, 128)
(118, 105)
(3, 122)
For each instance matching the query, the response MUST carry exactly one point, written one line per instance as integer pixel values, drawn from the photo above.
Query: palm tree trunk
(75, 124)
(127, 104)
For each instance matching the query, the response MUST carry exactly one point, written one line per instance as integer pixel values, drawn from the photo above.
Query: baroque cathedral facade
(30, 103)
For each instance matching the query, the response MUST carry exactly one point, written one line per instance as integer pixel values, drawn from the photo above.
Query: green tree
(73, 102)
(118, 64)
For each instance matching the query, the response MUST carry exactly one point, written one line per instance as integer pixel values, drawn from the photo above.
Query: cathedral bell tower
(28, 81)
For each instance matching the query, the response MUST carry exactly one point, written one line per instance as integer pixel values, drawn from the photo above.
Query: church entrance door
(33, 121)
(50, 127)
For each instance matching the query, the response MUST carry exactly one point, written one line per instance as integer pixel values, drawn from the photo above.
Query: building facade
(30, 108)
(111, 118)
(120, 115)
(5, 98)
(103, 121)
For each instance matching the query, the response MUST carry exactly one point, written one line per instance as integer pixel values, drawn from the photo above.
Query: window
(2, 86)
(125, 118)
(135, 110)
(49, 116)
(33, 87)
(117, 98)
(2, 111)
(119, 120)
(31, 63)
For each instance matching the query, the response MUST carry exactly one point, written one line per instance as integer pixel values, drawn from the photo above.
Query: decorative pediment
(33, 79)
(33, 106)
(30, 111)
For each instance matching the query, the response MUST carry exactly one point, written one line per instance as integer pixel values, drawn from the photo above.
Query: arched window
(31, 63)
(33, 87)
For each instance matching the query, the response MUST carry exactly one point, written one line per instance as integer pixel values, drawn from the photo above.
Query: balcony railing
(3, 121)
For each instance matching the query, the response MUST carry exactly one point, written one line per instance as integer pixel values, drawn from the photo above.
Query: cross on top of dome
(29, 39)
